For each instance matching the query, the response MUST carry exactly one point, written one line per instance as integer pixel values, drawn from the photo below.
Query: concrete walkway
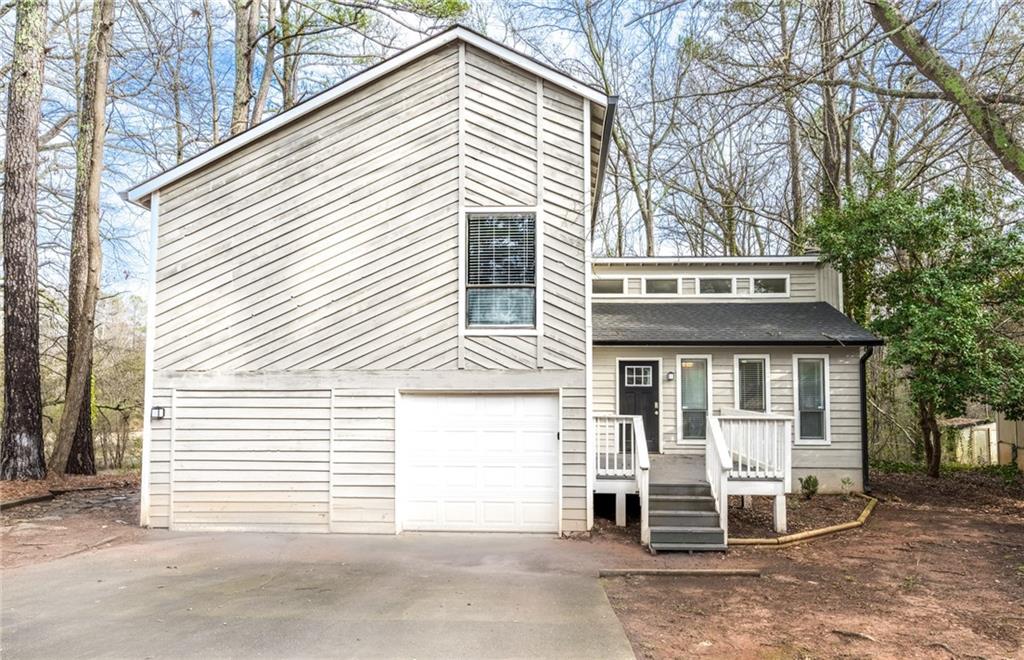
(303, 596)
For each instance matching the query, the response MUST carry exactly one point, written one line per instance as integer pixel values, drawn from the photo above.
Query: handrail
(643, 478)
(759, 445)
(717, 465)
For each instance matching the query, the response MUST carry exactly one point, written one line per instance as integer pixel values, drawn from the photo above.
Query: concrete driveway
(299, 596)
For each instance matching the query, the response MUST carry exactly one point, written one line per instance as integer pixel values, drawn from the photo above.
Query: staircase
(683, 518)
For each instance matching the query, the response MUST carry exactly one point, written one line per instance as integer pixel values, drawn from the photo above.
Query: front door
(638, 395)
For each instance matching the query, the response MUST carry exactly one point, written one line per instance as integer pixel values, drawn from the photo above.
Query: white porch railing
(760, 445)
(622, 453)
(718, 465)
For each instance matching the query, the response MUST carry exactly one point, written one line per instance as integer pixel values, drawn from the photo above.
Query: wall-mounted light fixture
(670, 376)
(157, 412)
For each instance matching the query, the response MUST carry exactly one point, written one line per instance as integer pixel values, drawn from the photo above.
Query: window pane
(769, 285)
(716, 285)
(662, 286)
(812, 386)
(812, 424)
(501, 249)
(500, 306)
(751, 385)
(695, 424)
(693, 384)
(607, 286)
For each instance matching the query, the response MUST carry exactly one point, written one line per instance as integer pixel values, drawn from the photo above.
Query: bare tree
(22, 443)
(73, 450)
(247, 19)
(978, 112)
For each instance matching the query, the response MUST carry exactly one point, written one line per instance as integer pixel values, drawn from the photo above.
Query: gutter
(864, 416)
(606, 137)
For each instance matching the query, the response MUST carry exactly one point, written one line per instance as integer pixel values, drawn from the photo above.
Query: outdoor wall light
(157, 412)
(670, 376)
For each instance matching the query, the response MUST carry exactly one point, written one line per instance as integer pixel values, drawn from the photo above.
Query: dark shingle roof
(726, 324)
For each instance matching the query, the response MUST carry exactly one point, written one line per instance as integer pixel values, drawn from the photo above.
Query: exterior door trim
(679, 390)
(661, 372)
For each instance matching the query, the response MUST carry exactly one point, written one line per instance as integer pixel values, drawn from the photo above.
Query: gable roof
(139, 194)
(727, 324)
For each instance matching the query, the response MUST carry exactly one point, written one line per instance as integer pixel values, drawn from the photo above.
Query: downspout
(864, 416)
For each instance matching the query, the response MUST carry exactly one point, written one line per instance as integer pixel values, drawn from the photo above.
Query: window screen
(751, 384)
(664, 285)
(608, 286)
(811, 397)
(713, 285)
(769, 285)
(501, 270)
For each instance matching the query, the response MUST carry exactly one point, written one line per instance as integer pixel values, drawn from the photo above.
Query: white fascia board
(139, 193)
(660, 261)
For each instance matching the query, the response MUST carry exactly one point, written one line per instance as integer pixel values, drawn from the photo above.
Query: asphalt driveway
(298, 596)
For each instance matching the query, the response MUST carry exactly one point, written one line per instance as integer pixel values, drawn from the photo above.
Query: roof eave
(737, 342)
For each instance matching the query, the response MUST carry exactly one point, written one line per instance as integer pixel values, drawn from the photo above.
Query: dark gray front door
(639, 381)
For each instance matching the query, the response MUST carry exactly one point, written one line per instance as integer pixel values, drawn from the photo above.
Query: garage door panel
(479, 462)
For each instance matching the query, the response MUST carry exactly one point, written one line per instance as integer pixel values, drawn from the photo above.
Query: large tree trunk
(211, 72)
(832, 142)
(72, 439)
(268, 68)
(22, 441)
(932, 437)
(247, 16)
(958, 90)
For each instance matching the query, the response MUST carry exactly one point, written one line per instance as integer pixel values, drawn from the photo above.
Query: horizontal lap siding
(830, 463)
(574, 459)
(250, 459)
(330, 244)
(500, 133)
(363, 461)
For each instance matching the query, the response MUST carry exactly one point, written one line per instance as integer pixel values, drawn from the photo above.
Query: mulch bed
(14, 491)
(802, 515)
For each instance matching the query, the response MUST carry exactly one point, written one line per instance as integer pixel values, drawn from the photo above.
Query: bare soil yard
(937, 572)
(72, 522)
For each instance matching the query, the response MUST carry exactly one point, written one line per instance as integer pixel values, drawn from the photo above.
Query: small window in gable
(714, 286)
(661, 286)
(608, 287)
(771, 285)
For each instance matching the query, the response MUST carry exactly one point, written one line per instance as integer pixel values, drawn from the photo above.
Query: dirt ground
(70, 523)
(937, 572)
(801, 514)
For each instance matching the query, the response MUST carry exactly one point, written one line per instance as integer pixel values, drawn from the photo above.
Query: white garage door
(481, 462)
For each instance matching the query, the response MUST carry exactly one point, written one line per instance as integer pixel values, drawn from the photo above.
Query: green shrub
(809, 486)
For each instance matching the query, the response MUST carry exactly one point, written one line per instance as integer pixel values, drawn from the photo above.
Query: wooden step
(688, 535)
(687, 547)
(684, 518)
(680, 489)
(681, 503)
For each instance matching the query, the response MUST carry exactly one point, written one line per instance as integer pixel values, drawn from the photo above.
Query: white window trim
(679, 395)
(767, 379)
(699, 278)
(503, 330)
(625, 286)
(811, 442)
(661, 390)
(645, 278)
(773, 276)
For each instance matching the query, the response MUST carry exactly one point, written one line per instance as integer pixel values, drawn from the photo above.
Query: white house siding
(842, 458)
(324, 257)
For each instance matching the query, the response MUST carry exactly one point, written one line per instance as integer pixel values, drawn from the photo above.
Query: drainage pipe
(870, 350)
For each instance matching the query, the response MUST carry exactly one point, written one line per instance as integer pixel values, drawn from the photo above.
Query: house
(373, 313)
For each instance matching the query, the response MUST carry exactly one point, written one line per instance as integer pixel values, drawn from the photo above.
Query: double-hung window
(501, 273)
(752, 391)
(811, 398)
